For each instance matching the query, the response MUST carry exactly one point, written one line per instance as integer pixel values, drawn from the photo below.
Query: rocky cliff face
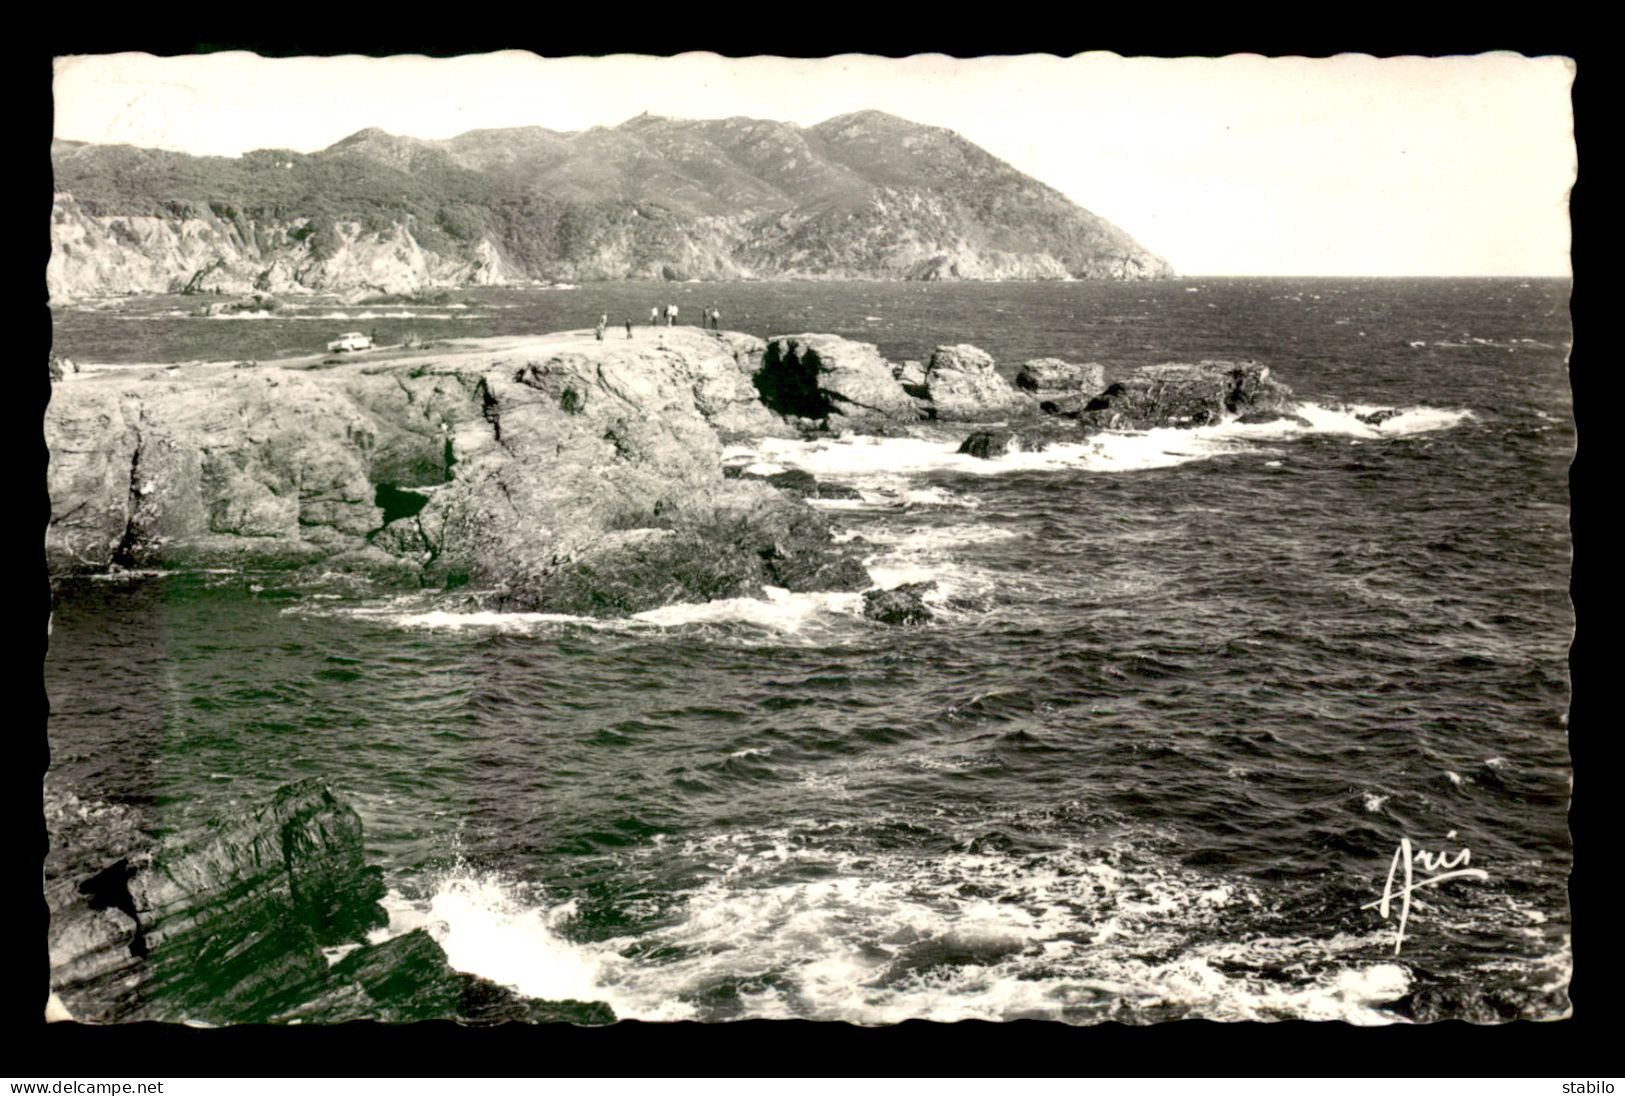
(228, 925)
(204, 252)
(865, 195)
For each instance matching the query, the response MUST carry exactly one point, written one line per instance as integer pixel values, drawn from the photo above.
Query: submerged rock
(228, 925)
(988, 444)
(1255, 418)
(1377, 418)
(803, 484)
(900, 605)
(1031, 436)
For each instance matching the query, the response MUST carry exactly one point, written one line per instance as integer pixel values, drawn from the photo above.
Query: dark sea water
(1187, 692)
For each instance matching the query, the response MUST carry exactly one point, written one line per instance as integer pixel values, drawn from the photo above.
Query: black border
(1576, 1047)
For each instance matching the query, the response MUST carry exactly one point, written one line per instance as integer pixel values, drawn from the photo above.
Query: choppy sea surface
(1186, 694)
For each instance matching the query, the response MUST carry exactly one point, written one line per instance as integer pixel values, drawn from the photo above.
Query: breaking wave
(880, 467)
(786, 930)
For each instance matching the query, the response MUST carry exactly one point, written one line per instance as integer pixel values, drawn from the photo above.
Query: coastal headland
(552, 473)
(863, 195)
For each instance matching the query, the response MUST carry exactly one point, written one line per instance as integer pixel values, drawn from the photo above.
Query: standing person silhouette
(629, 328)
(654, 316)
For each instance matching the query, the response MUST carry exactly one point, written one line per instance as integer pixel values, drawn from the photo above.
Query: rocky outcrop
(228, 925)
(828, 379)
(553, 473)
(900, 605)
(964, 385)
(1180, 394)
(1050, 378)
(556, 473)
(1169, 395)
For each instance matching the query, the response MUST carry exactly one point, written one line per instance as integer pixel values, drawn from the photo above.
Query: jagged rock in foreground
(556, 472)
(228, 926)
(1182, 394)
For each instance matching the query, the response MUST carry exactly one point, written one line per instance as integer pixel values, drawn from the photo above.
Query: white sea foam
(441, 619)
(884, 938)
(486, 927)
(881, 468)
(779, 611)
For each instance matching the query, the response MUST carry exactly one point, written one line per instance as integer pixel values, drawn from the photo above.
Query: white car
(353, 340)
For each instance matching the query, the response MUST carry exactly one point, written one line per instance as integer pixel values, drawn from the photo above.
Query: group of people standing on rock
(711, 319)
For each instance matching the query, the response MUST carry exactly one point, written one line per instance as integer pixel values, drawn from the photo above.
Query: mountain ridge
(864, 195)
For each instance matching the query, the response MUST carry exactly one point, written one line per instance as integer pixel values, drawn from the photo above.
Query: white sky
(1238, 165)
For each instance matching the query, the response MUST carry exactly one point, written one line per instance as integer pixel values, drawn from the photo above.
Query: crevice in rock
(429, 546)
(124, 553)
(398, 502)
(109, 889)
(491, 411)
(832, 399)
(622, 449)
(195, 283)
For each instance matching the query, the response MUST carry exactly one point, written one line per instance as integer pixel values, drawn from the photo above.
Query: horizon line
(55, 137)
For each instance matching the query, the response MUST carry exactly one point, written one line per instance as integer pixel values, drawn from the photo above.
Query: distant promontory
(864, 195)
